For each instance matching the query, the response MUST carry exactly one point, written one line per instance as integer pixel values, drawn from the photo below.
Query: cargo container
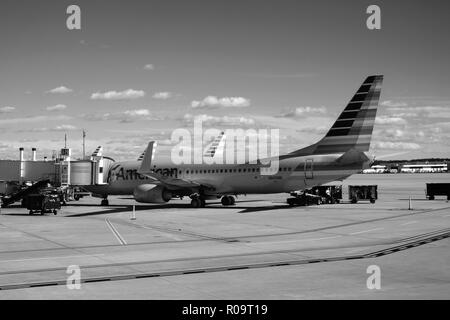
(368, 192)
(43, 203)
(437, 189)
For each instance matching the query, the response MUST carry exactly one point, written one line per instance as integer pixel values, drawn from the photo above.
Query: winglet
(148, 158)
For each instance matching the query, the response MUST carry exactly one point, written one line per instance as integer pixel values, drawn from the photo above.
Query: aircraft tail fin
(98, 152)
(216, 147)
(141, 156)
(353, 128)
(148, 158)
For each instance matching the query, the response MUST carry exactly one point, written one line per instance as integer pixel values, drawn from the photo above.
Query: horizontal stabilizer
(352, 156)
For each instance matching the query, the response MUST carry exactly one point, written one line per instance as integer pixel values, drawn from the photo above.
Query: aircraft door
(309, 169)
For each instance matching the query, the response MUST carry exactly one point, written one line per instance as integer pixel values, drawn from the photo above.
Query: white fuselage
(293, 174)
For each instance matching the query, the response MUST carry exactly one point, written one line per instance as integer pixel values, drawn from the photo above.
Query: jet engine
(151, 193)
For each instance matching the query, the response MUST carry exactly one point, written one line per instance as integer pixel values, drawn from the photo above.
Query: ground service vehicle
(329, 194)
(356, 193)
(437, 189)
(43, 203)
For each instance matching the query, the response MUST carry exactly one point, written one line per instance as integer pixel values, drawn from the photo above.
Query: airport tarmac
(258, 249)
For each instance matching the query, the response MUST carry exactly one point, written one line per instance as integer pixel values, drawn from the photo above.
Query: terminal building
(424, 168)
(408, 168)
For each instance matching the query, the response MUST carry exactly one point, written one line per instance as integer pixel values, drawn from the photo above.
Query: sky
(137, 70)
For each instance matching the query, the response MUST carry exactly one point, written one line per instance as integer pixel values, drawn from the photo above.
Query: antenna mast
(84, 144)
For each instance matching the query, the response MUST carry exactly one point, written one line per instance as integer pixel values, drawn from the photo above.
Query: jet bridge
(92, 171)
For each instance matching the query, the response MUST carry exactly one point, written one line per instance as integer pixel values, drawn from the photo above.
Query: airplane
(338, 155)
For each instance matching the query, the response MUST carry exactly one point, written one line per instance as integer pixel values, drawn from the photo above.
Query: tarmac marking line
(324, 238)
(295, 241)
(365, 231)
(46, 258)
(406, 223)
(115, 232)
(383, 252)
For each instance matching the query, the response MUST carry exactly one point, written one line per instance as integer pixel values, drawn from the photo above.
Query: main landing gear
(104, 202)
(228, 200)
(198, 202)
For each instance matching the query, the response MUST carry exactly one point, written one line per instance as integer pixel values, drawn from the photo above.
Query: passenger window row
(245, 170)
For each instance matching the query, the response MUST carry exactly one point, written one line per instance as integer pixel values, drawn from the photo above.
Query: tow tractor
(304, 198)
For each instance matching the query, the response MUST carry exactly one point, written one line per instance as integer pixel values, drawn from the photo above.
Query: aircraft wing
(171, 183)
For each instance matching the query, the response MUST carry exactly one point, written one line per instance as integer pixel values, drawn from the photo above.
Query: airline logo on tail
(354, 126)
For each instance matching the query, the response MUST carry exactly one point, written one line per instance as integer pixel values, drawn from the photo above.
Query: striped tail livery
(354, 126)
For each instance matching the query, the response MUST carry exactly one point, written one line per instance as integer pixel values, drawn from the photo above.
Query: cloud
(7, 109)
(149, 67)
(61, 89)
(213, 101)
(422, 111)
(162, 95)
(301, 111)
(34, 119)
(124, 117)
(391, 133)
(389, 120)
(219, 120)
(282, 75)
(57, 107)
(62, 127)
(390, 103)
(396, 145)
(118, 95)
(405, 115)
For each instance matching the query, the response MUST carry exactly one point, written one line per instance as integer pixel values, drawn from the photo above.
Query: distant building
(424, 168)
(407, 168)
(376, 169)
